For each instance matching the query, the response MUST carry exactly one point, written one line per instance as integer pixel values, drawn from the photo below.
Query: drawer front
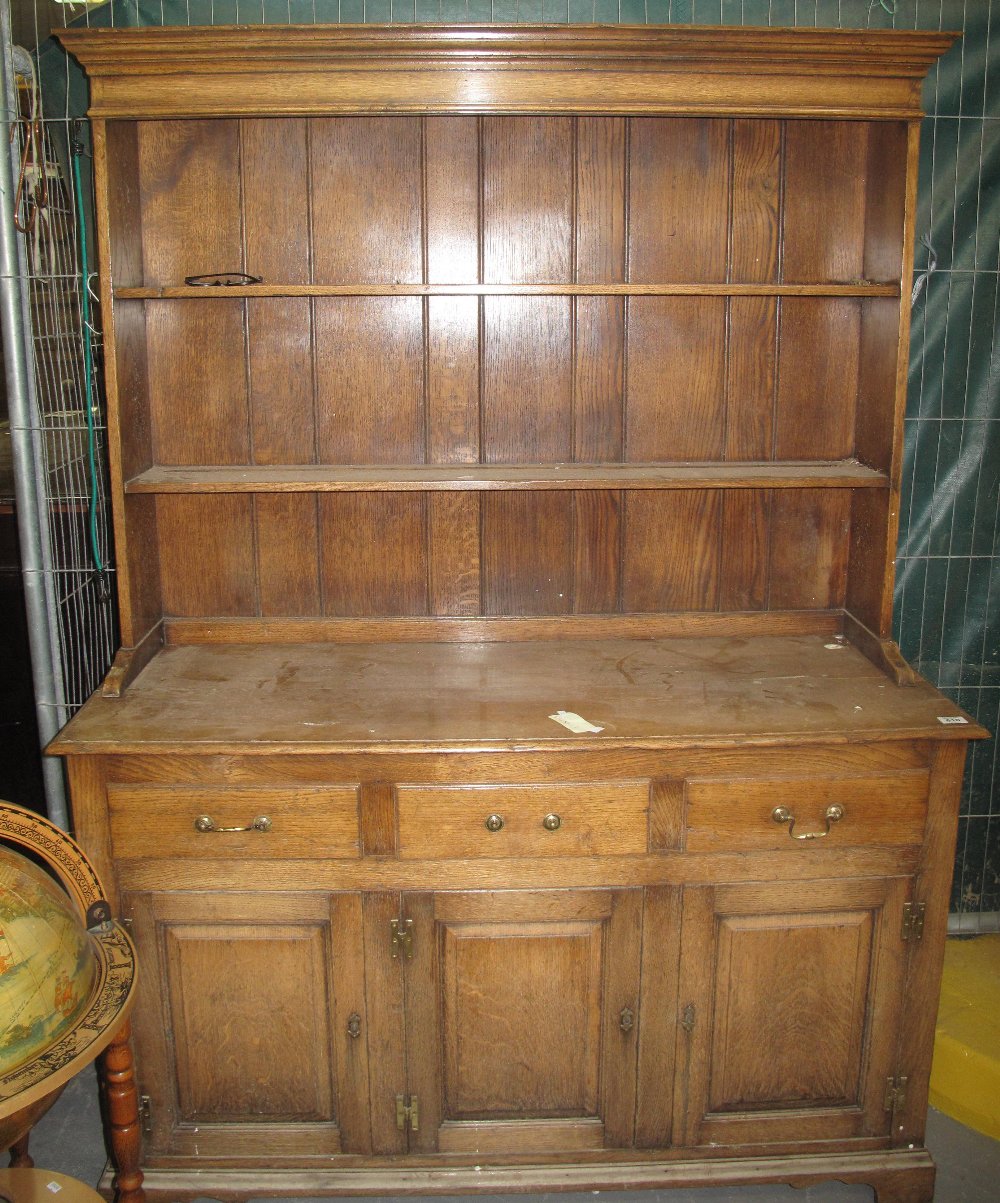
(601, 818)
(170, 821)
(738, 814)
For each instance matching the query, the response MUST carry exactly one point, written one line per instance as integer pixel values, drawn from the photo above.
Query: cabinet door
(521, 1022)
(243, 1024)
(789, 1002)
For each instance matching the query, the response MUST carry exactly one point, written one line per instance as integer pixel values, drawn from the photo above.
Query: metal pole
(32, 509)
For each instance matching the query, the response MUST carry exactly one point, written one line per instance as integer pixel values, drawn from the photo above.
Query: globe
(67, 970)
(48, 966)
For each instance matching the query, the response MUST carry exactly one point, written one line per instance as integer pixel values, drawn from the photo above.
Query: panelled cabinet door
(789, 1002)
(521, 1019)
(242, 1029)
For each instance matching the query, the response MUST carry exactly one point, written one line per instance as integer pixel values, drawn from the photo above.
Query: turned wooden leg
(20, 1158)
(122, 1108)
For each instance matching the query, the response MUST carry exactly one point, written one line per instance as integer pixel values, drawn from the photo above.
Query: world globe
(67, 970)
(48, 968)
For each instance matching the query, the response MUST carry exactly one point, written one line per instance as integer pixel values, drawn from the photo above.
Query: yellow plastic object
(965, 1078)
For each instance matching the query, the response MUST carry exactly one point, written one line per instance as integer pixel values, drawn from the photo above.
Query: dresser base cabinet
(508, 772)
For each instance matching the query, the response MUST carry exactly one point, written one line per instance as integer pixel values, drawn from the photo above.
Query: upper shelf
(323, 478)
(317, 69)
(862, 288)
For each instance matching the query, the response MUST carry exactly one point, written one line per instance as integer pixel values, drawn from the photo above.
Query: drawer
(160, 821)
(735, 814)
(596, 818)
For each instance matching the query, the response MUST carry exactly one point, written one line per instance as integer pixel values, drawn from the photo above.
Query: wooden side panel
(671, 551)
(810, 530)
(885, 200)
(818, 378)
(826, 167)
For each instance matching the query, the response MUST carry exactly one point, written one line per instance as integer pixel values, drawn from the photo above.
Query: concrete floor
(68, 1140)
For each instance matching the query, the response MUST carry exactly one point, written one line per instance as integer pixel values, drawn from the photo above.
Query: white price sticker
(951, 720)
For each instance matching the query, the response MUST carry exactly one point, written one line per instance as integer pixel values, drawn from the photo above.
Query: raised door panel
(270, 1071)
(515, 1041)
(789, 998)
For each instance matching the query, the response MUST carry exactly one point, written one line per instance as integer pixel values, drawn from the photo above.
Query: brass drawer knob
(494, 823)
(205, 824)
(552, 822)
(832, 814)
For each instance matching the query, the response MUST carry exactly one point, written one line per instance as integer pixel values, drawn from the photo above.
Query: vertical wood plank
(597, 551)
(527, 553)
(622, 947)
(678, 200)
(379, 834)
(189, 188)
(817, 390)
(756, 178)
(348, 994)
(675, 396)
(197, 382)
(671, 550)
(696, 973)
(451, 151)
(287, 560)
(746, 518)
(454, 553)
(366, 197)
(661, 938)
(826, 164)
(373, 554)
(385, 1033)
(424, 1045)
(751, 366)
(599, 322)
(810, 530)
(885, 200)
(276, 205)
(527, 174)
(206, 555)
(369, 374)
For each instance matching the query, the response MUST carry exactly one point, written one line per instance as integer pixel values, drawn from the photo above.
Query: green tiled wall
(948, 590)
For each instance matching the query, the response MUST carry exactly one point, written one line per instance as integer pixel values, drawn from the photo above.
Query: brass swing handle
(832, 814)
(205, 824)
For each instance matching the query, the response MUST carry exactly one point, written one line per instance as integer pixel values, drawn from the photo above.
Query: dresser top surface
(640, 692)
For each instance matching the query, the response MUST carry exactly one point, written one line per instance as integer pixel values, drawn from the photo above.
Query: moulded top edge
(199, 49)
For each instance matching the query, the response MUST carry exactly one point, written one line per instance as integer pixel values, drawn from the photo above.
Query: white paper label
(573, 722)
(951, 720)
(54, 1187)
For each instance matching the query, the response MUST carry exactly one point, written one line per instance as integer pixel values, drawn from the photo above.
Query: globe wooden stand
(102, 1030)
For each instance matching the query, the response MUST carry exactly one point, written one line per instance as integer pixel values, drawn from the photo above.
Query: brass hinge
(895, 1094)
(146, 1113)
(913, 921)
(407, 1113)
(401, 937)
